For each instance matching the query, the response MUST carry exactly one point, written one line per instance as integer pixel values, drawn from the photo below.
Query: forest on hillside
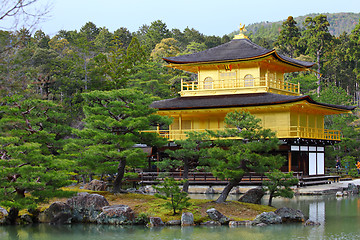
(339, 23)
(77, 102)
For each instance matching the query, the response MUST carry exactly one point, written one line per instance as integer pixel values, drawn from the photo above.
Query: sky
(210, 17)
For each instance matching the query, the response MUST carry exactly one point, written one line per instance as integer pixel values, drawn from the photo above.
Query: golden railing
(283, 132)
(239, 84)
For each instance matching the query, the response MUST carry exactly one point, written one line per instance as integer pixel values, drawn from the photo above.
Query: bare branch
(15, 14)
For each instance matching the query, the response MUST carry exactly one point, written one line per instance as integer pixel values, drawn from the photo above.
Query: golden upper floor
(237, 67)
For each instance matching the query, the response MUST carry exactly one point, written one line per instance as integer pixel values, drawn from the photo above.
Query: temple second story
(237, 67)
(240, 75)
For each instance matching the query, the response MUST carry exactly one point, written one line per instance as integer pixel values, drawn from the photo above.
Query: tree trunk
(318, 53)
(83, 177)
(270, 198)
(186, 176)
(227, 189)
(119, 177)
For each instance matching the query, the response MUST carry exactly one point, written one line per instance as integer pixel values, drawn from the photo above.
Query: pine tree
(191, 150)
(31, 133)
(289, 36)
(243, 148)
(279, 184)
(114, 123)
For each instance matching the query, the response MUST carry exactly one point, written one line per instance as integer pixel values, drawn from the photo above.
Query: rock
(240, 223)
(217, 216)
(62, 218)
(267, 218)
(311, 223)
(57, 212)
(155, 222)
(211, 223)
(253, 195)
(339, 194)
(173, 222)
(116, 214)
(210, 190)
(261, 225)
(96, 185)
(26, 219)
(3, 215)
(12, 216)
(86, 207)
(353, 189)
(290, 215)
(187, 219)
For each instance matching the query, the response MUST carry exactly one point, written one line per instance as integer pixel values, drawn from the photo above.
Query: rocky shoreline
(94, 208)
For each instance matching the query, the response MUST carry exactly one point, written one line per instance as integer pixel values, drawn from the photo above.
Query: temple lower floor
(303, 156)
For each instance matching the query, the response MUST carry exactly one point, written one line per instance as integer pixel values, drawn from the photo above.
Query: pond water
(339, 218)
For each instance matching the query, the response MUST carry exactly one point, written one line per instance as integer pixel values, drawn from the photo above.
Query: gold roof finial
(241, 34)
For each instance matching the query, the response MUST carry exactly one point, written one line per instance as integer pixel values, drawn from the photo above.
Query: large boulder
(215, 215)
(267, 218)
(116, 214)
(57, 212)
(253, 195)
(187, 219)
(96, 185)
(290, 215)
(86, 207)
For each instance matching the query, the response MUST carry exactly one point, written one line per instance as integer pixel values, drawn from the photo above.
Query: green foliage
(279, 184)
(31, 134)
(142, 219)
(289, 36)
(114, 123)
(245, 147)
(348, 163)
(171, 192)
(308, 82)
(187, 156)
(194, 47)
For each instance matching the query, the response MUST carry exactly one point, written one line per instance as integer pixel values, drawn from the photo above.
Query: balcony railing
(281, 132)
(240, 84)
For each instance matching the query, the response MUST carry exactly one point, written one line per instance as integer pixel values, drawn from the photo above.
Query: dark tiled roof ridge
(236, 100)
(236, 49)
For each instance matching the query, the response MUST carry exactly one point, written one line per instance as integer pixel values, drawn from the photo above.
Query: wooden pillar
(289, 161)
(180, 127)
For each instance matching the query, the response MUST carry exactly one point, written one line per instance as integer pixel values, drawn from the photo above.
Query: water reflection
(339, 218)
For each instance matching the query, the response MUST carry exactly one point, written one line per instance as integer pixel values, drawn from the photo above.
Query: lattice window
(208, 83)
(249, 80)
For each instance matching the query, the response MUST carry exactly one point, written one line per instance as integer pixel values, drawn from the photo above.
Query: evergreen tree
(318, 39)
(191, 150)
(114, 123)
(279, 184)
(31, 133)
(288, 38)
(244, 148)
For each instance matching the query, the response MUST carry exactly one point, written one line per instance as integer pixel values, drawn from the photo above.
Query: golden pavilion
(240, 75)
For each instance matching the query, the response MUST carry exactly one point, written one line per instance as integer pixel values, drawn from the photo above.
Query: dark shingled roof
(236, 100)
(236, 49)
